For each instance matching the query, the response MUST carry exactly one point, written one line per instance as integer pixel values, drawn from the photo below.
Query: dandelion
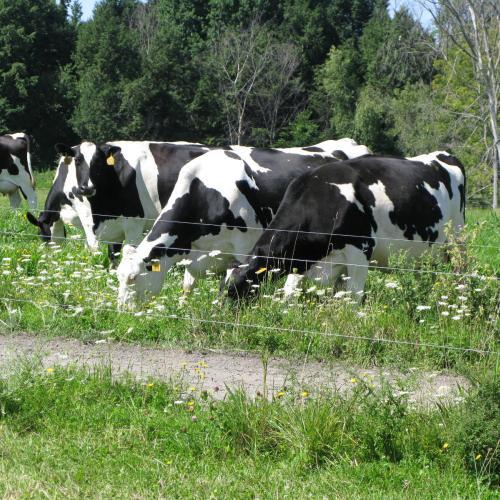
(150, 385)
(50, 370)
(478, 457)
(280, 394)
(446, 446)
(354, 380)
(192, 389)
(304, 394)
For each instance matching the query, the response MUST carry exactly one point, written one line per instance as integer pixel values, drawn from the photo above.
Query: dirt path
(215, 372)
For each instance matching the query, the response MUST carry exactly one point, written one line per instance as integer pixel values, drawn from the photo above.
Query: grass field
(71, 433)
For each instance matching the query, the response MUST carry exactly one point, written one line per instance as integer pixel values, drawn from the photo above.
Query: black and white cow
(16, 176)
(336, 220)
(116, 189)
(221, 203)
(63, 206)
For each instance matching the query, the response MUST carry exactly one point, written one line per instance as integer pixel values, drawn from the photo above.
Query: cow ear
(31, 218)
(109, 153)
(64, 150)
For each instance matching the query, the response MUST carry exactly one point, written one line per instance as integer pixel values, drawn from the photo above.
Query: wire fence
(261, 228)
(256, 326)
(236, 324)
(216, 252)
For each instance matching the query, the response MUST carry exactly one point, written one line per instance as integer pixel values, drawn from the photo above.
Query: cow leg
(15, 199)
(188, 283)
(292, 283)
(31, 197)
(357, 271)
(29, 193)
(57, 231)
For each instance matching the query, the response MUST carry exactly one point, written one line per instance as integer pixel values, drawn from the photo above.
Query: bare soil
(217, 372)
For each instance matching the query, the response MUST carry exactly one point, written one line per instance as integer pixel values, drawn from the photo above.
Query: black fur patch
(116, 192)
(200, 204)
(170, 158)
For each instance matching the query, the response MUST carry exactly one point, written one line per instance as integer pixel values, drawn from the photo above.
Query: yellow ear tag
(68, 160)
(261, 270)
(155, 267)
(110, 161)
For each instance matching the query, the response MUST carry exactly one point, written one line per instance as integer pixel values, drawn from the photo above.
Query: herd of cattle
(325, 212)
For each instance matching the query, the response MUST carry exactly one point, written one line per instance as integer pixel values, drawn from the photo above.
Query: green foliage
(36, 42)
(303, 130)
(373, 120)
(477, 435)
(106, 59)
(86, 433)
(339, 83)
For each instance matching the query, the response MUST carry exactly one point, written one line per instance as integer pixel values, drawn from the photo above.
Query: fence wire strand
(285, 259)
(79, 309)
(256, 228)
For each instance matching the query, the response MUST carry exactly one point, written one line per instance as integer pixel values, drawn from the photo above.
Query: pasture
(71, 432)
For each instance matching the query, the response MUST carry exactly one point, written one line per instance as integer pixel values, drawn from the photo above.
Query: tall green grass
(67, 432)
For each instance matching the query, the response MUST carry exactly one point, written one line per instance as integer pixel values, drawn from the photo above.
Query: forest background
(256, 72)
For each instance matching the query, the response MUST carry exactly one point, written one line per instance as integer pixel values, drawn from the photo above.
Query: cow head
(137, 278)
(102, 175)
(80, 159)
(240, 281)
(43, 223)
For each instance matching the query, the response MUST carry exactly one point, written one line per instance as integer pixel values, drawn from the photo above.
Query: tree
(106, 60)
(339, 82)
(36, 42)
(473, 27)
(255, 72)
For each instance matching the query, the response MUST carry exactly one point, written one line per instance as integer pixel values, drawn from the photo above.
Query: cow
(116, 189)
(16, 175)
(222, 201)
(64, 205)
(334, 222)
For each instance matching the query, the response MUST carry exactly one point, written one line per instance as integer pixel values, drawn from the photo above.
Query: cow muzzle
(86, 191)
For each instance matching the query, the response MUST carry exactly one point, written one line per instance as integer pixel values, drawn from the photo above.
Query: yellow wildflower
(150, 385)
(280, 394)
(304, 394)
(50, 370)
(354, 380)
(446, 446)
(478, 457)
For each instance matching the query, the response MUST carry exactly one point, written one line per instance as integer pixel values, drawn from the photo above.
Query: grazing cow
(222, 201)
(64, 206)
(116, 189)
(336, 220)
(16, 175)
